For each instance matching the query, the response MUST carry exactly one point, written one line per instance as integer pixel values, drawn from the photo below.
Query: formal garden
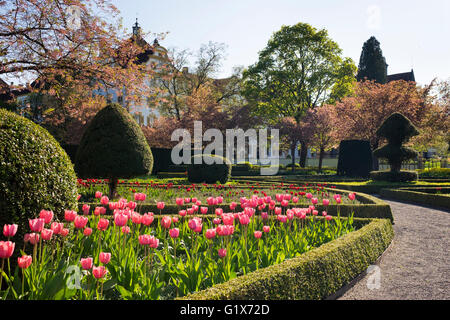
(94, 206)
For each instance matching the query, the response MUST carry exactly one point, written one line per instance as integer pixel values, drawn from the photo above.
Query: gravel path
(417, 263)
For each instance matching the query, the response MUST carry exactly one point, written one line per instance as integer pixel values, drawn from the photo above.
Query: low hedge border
(316, 274)
(416, 196)
(371, 207)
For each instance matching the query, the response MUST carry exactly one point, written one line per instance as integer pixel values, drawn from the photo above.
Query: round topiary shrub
(112, 147)
(355, 158)
(35, 172)
(218, 170)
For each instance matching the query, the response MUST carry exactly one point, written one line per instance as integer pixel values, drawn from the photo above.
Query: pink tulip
(328, 218)
(264, 215)
(266, 229)
(282, 218)
(78, 197)
(174, 233)
(217, 221)
(324, 213)
(219, 211)
(105, 257)
(315, 212)
(126, 229)
(325, 202)
(225, 230)
(147, 219)
(9, 230)
(309, 195)
(160, 205)
(98, 194)
(277, 210)
(222, 252)
(314, 201)
(175, 219)
(87, 232)
(153, 242)
(64, 232)
(24, 261)
(210, 233)
(33, 238)
(140, 196)
(194, 200)
(210, 201)
(47, 234)
(227, 219)
(120, 220)
(47, 215)
(182, 213)
(57, 227)
(187, 200)
(6, 249)
(136, 218)
(166, 221)
(86, 209)
(104, 200)
(203, 210)
(132, 205)
(69, 215)
(284, 203)
(99, 272)
(352, 196)
(233, 206)
(80, 222)
(36, 225)
(190, 211)
(295, 199)
(103, 224)
(244, 219)
(87, 263)
(179, 201)
(257, 234)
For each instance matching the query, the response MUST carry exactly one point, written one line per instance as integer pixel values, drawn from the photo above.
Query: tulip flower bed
(135, 255)
(201, 193)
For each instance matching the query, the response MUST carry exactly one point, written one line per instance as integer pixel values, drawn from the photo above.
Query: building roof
(406, 76)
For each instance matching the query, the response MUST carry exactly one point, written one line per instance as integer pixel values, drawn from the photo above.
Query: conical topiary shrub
(397, 129)
(112, 147)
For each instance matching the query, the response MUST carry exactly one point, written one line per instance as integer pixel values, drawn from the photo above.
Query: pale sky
(413, 34)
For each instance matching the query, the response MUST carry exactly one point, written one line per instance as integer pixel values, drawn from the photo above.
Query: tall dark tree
(372, 64)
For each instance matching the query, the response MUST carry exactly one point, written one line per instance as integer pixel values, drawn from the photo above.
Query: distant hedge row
(316, 274)
(417, 195)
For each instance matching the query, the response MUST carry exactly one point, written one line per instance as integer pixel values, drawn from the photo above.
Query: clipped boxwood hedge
(316, 274)
(417, 195)
(394, 176)
(209, 173)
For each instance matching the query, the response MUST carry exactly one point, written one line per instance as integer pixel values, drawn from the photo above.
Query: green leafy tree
(299, 69)
(113, 146)
(372, 64)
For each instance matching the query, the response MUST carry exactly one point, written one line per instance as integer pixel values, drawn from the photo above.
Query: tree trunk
(375, 162)
(112, 188)
(321, 153)
(293, 147)
(303, 153)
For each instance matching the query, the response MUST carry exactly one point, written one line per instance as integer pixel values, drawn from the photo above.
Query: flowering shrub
(136, 255)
